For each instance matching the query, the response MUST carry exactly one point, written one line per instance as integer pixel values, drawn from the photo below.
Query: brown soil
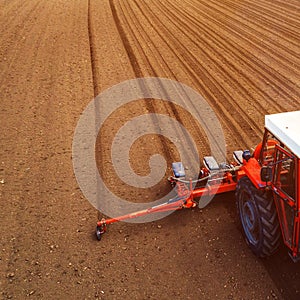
(55, 56)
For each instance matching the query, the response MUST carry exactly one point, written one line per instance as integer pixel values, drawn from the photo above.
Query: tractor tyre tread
(269, 238)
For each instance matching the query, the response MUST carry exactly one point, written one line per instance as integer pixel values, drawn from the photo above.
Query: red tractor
(266, 185)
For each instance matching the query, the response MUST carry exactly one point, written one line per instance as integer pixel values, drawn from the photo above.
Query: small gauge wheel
(99, 232)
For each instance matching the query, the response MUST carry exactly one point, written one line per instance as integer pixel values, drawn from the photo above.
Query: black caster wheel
(99, 232)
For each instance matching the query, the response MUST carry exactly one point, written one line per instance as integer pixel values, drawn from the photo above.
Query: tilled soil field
(55, 57)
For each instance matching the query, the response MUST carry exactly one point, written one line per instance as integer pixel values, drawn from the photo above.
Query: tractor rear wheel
(258, 217)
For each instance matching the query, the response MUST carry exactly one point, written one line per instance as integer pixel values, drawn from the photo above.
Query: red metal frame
(220, 182)
(185, 195)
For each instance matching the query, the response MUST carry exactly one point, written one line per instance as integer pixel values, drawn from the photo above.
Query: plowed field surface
(55, 56)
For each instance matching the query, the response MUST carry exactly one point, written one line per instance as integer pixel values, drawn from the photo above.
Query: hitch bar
(216, 184)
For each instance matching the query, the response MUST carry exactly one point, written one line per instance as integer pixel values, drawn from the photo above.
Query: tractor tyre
(258, 217)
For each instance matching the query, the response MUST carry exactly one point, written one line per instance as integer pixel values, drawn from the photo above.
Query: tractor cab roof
(286, 128)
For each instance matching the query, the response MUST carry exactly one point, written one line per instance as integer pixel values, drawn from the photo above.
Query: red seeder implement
(213, 179)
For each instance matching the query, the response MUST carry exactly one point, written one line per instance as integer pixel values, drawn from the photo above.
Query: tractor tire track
(127, 45)
(92, 49)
